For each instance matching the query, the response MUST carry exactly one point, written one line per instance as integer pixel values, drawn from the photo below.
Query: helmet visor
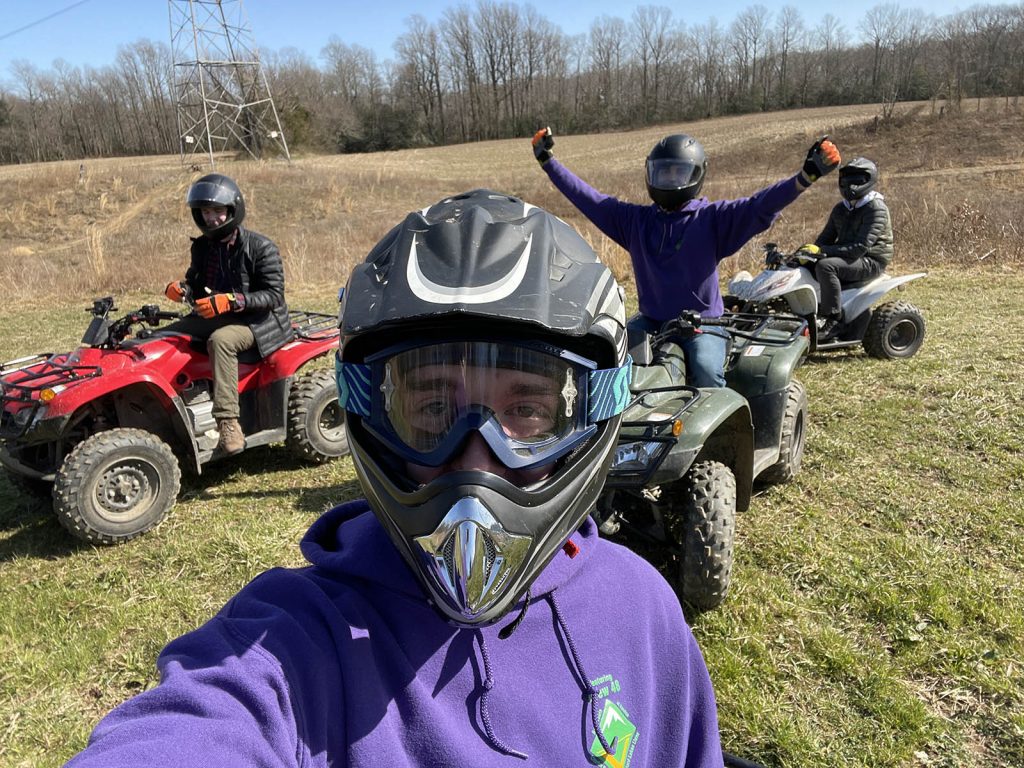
(209, 193)
(672, 173)
(530, 402)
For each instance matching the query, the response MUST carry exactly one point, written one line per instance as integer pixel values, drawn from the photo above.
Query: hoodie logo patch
(615, 724)
(435, 293)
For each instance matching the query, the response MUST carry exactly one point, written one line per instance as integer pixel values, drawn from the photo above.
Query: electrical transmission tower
(223, 98)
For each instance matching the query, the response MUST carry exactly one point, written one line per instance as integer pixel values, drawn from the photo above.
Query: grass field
(876, 616)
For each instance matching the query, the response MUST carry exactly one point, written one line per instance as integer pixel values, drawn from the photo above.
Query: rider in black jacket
(236, 281)
(856, 243)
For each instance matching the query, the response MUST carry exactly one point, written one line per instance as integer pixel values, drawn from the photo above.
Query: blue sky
(88, 32)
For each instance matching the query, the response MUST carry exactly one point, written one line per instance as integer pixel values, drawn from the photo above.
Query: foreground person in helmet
(676, 242)
(466, 613)
(856, 242)
(236, 283)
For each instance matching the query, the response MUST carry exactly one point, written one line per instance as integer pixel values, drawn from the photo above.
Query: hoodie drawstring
(485, 712)
(589, 691)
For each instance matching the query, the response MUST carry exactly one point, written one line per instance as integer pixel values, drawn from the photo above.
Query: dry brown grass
(953, 184)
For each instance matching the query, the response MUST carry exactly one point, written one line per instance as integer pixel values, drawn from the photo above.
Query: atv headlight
(632, 457)
(27, 416)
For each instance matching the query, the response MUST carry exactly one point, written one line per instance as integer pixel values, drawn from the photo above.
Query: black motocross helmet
(486, 283)
(857, 178)
(212, 190)
(675, 171)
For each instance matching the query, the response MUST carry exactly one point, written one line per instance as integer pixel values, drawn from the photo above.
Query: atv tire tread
(312, 394)
(74, 496)
(703, 524)
(791, 443)
(877, 342)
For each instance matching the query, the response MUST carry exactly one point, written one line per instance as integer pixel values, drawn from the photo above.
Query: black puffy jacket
(864, 231)
(258, 274)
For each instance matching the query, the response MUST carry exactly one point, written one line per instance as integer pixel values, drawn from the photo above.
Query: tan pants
(224, 341)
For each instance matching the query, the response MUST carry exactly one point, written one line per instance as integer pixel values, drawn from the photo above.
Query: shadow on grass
(34, 531)
(267, 460)
(836, 357)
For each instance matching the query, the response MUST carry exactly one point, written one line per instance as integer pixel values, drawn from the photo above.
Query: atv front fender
(720, 428)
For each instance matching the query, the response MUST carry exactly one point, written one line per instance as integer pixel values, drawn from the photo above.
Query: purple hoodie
(675, 254)
(343, 663)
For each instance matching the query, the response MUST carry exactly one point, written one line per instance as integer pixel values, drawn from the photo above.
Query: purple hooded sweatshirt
(344, 663)
(675, 254)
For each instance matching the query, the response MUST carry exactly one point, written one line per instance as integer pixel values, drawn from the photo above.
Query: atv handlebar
(775, 259)
(106, 333)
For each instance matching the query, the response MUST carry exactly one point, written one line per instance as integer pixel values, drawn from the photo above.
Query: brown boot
(232, 440)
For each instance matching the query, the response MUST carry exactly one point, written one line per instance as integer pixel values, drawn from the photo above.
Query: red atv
(103, 429)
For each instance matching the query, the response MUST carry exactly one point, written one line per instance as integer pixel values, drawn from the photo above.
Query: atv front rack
(655, 432)
(22, 381)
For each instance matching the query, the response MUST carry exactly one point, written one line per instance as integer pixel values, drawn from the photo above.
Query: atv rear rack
(314, 325)
(777, 329)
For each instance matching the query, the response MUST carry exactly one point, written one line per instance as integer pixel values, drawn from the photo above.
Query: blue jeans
(705, 359)
(704, 352)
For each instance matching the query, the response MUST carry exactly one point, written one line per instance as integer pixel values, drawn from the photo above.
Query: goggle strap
(609, 391)
(354, 388)
(608, 388)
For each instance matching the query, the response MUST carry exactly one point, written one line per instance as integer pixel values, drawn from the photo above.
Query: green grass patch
(876, 616)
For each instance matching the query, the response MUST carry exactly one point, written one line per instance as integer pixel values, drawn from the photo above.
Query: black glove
(822, 158)
(543, 141)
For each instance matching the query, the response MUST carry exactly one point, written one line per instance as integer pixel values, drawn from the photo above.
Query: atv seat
(250, 356)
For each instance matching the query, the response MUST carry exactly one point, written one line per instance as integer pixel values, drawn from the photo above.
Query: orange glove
(543, 141)
(174, 291)
(822, 158)
(215, 305)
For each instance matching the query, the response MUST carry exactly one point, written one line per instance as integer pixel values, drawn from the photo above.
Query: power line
(31, 24)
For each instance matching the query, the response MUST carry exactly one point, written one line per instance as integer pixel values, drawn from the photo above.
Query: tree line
(500, 70)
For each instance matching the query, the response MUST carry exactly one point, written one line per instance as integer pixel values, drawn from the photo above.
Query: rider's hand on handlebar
(807, 253)
(218, 304)
(175, 291)
(823, 157)
(543, 141)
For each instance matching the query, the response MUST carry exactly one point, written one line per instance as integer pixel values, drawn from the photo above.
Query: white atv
(891, 330)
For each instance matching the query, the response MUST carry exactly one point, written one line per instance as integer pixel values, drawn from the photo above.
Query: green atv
(688, 458)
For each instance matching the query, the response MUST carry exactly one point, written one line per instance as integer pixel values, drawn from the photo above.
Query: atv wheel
(316, 420)
(895, 330)
(791, 444)
(703, 523)
(115, 485)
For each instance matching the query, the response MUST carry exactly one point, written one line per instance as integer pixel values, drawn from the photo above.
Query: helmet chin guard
(469, 557)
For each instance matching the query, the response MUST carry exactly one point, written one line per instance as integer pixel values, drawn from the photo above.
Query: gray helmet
(857, 178)
(212, 190)
(675, 171)
(486, 283)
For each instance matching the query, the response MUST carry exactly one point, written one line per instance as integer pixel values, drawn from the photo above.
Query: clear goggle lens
(532, 403)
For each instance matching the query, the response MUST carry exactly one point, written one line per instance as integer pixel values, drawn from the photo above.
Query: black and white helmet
(216, 189)
(857, 178)
(482, 318)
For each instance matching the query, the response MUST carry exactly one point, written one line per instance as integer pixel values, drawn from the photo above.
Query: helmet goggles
(531, 402)
(672, 173)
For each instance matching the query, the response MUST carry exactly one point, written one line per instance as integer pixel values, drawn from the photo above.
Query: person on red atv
(466, 613)
(676, 243)
(856, 243)
(236, 283)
